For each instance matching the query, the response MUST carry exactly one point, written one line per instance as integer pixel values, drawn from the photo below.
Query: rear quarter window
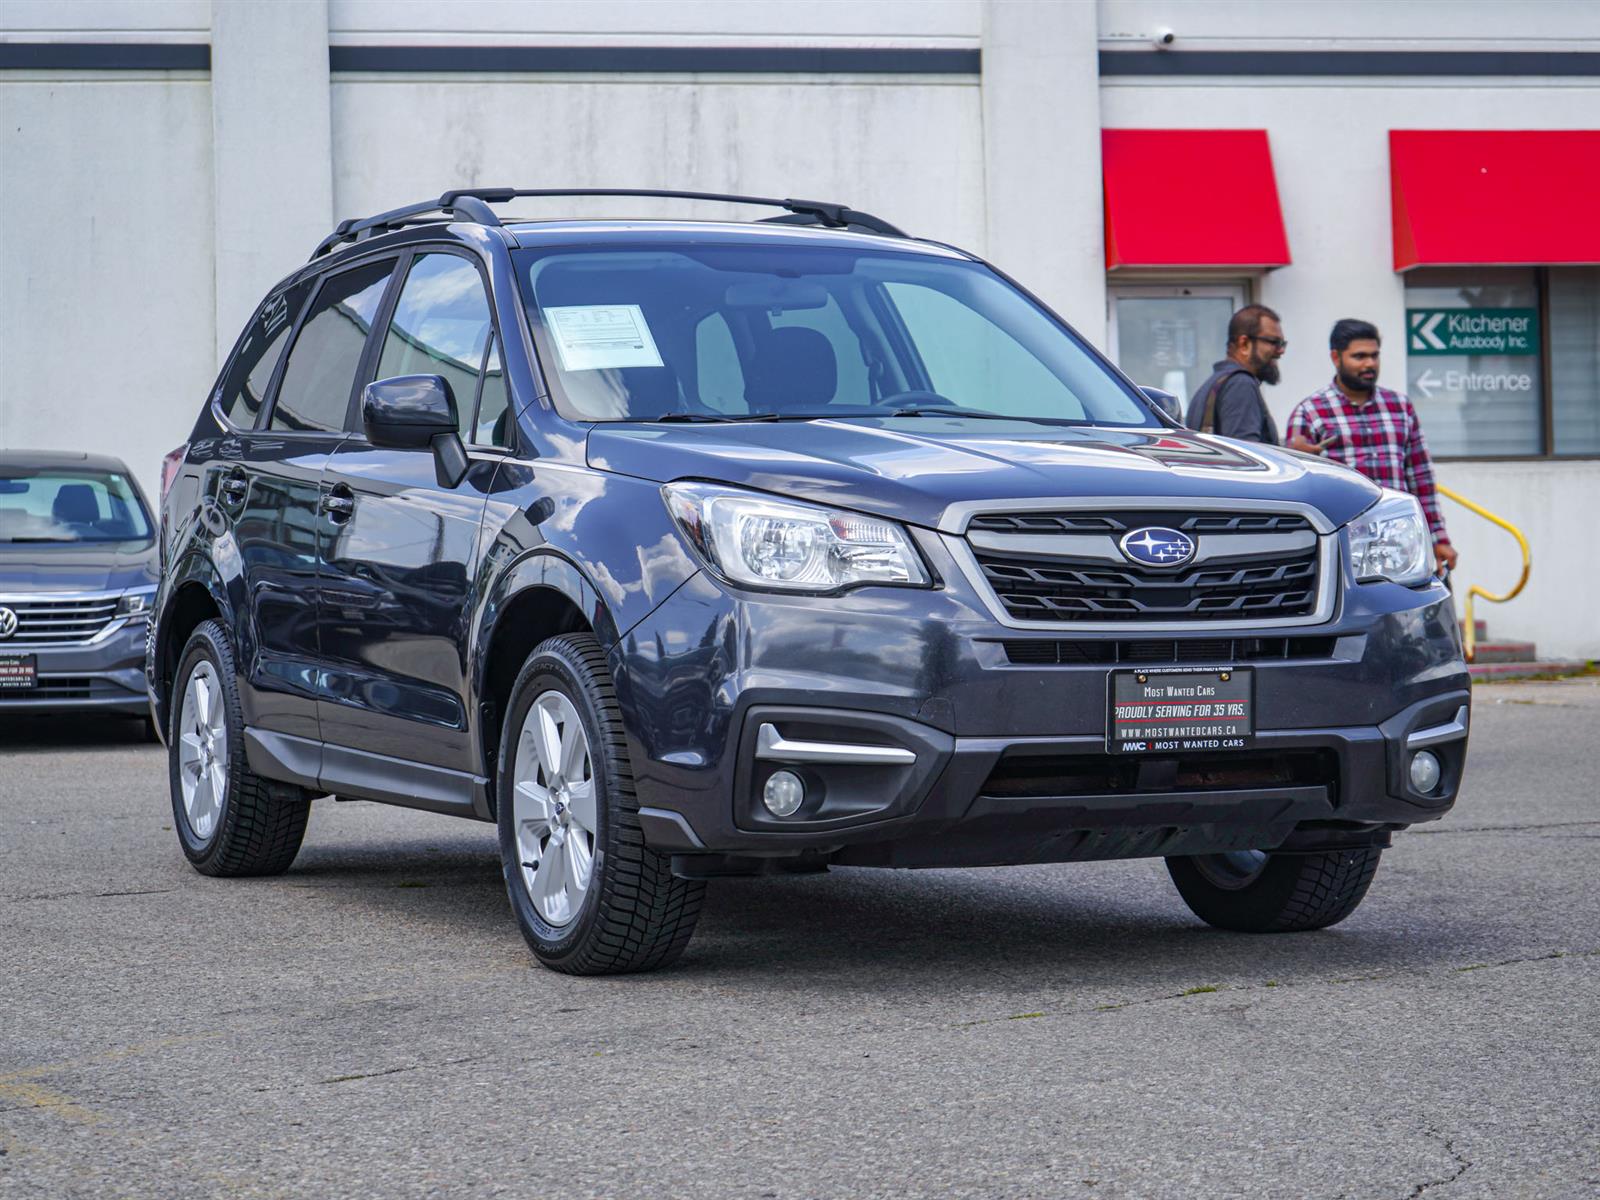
(249, 373)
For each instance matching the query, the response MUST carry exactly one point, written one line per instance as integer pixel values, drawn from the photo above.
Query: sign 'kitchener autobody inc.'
(1473, 330)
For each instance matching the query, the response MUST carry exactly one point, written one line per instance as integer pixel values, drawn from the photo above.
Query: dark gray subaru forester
(684, 550)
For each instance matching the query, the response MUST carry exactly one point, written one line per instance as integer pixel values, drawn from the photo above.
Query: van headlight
(1390, 541)
(760, 541)
(135, 603)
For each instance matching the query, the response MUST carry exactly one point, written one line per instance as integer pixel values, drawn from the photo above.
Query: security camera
(1163, 39)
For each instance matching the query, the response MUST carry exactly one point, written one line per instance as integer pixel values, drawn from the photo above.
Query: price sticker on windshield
(594, 337)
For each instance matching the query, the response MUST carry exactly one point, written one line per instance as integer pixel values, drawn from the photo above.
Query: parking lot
(371, 1022)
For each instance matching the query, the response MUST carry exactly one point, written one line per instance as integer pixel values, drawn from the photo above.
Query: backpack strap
(1208, 419)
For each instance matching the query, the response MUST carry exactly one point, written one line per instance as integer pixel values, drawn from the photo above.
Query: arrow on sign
(1426, 383)
(1423, 336)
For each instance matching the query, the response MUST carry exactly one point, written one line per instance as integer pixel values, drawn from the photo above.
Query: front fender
(193, 569)
(550, 570)
(604, 541)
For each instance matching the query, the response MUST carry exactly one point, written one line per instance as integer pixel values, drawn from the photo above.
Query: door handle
(338, 504)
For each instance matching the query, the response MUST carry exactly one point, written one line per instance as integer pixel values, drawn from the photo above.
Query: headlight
(135, 603)
(759, 541)
(1390, 541)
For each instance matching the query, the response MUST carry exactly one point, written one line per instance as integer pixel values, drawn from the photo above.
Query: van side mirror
(416, 412)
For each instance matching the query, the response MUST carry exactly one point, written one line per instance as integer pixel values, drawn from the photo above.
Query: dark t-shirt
(1241, 411)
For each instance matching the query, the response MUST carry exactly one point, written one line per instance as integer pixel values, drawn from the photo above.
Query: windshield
(69, 506)
(715, 333)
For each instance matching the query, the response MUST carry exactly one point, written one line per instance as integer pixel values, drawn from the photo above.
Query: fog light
(783, 794)
(1424, 771)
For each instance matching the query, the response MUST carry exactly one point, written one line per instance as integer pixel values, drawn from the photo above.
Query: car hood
(912, 469)
(110, 567)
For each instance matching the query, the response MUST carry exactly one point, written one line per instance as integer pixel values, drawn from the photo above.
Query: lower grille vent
(64, 687)
(1040, 652)
(1108, 774)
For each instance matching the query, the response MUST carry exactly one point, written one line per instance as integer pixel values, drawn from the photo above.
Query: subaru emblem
(1157, 547)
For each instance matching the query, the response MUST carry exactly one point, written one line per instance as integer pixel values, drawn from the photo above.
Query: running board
(361, 775)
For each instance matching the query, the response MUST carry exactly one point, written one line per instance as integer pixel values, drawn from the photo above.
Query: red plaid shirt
(1381, 438)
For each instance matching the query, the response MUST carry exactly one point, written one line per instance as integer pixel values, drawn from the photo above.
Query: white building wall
(271, 148)
(1352, 24)
(658, 22)
(106, 300)
(1041, 145)
(1554, 504)
(108, 20)
(909, 151)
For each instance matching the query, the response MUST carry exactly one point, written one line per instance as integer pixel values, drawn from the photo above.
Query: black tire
(260, 822)
(634, 916)
(1285, 893)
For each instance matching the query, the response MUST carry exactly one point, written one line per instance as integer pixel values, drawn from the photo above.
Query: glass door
(1169, 335)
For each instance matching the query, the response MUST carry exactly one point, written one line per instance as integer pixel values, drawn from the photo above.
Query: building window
(1169, 335)
(1473, 363)
(1505, 362)
(1575, 360)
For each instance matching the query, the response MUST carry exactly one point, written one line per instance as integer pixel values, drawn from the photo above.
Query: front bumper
(1009, 760)
(105, 675)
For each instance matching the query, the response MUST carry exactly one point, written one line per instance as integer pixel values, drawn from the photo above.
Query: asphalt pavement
(371, 1023)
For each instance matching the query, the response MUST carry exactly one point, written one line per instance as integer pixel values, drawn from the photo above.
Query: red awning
(1506, 197)
(1191, 198)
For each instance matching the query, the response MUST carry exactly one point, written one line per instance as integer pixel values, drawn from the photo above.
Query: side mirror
(1165, 401)
(416, 412)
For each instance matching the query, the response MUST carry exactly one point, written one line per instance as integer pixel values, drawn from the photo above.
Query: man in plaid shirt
(1370, 429)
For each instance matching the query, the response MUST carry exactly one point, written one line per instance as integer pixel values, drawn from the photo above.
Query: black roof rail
(472, 204)
(461, 205)
(820, 212)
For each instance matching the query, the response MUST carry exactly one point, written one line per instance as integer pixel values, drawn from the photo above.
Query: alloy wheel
(554, 807)
(203, 750)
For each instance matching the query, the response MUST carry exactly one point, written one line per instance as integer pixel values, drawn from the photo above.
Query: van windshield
(68, 506)
(718, 333)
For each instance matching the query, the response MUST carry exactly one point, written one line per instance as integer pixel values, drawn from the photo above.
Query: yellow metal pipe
(1475, 590)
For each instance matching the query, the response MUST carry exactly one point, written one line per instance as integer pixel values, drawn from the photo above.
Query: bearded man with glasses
(1229, 402)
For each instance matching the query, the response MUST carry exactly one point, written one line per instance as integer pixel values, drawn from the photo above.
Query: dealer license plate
(1170, 709)
(17, 671)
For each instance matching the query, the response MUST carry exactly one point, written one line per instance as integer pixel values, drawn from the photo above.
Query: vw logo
(1157, 547)
(8, 623)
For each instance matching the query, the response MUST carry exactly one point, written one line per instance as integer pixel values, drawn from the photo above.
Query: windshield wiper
(689, 418)
(17, 541)
(738, 418)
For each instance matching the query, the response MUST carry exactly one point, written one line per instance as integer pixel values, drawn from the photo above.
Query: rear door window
(441, 326)
(317, 380)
